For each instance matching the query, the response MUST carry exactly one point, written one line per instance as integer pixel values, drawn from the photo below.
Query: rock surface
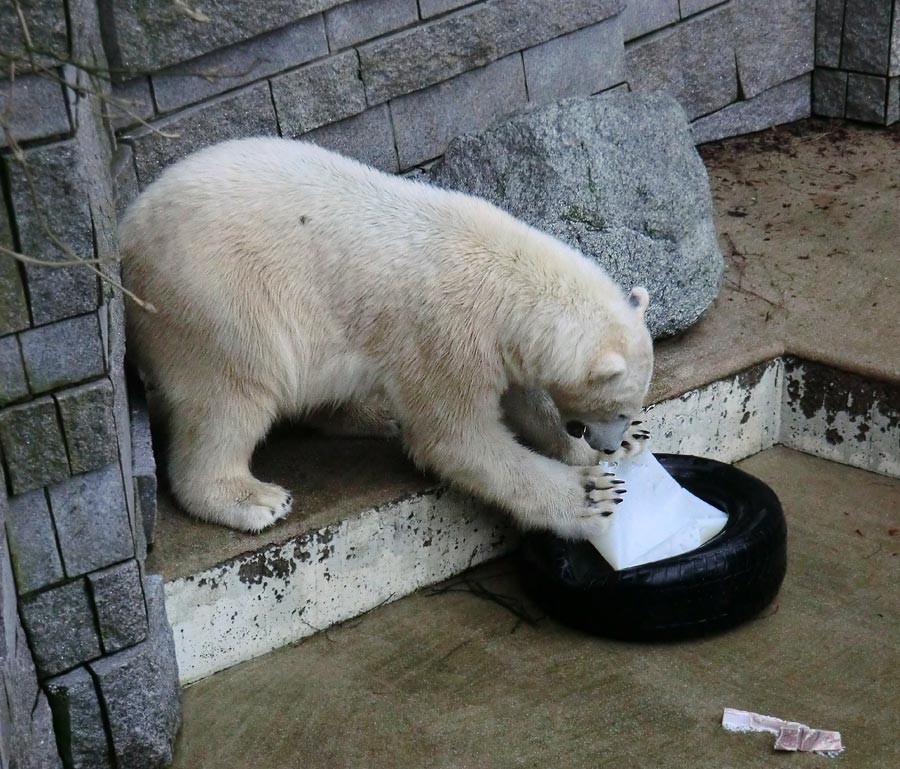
(140, 689)
(616, 177)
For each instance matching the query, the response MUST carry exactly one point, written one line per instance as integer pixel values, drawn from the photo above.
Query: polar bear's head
(613, 379)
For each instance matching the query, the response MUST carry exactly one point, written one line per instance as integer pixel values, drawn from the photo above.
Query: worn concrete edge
(260, 601)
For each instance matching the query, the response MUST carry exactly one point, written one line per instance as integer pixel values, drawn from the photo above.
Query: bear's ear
(607, 366)
(639, 298)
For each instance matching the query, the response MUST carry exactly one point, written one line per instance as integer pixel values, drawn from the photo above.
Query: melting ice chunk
(657, 518)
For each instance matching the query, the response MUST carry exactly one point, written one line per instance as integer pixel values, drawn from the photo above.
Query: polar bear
(289, 279)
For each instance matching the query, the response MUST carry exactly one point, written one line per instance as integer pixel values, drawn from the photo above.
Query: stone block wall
(857, 71)
(392, 82)
(86, 658)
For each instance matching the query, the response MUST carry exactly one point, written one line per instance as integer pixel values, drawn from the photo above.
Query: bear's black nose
(575, 429)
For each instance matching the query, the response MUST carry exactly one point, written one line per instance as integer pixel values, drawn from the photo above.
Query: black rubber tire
(724, 582)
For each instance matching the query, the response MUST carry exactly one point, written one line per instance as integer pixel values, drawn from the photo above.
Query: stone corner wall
(857, 73)
(86, 659)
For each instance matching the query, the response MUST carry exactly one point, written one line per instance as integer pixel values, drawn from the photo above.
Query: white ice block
(657, 518)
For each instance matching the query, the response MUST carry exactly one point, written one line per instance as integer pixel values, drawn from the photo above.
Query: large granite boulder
(615, 176)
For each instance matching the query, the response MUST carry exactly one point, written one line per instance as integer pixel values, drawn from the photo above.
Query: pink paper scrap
(789, 735)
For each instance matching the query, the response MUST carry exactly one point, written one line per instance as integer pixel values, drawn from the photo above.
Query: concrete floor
(451, 680)
(807, 218)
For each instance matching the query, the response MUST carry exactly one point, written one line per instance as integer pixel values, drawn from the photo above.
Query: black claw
(609, 451)
(608, 475)
(641, 437)
(606, 513)
(617, 501)
(620, 491)
(626, 445)
(617, 482)
(636, 422)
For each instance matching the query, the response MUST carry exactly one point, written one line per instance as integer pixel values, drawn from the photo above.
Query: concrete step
(447, 679)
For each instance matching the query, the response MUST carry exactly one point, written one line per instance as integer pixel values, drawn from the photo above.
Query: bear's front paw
(602, 492)
(635, 442)
(592, 503)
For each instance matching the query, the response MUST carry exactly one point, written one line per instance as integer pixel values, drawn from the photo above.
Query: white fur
(289, 279)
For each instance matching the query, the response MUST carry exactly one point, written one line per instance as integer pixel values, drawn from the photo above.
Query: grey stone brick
(867, 36)
(92, 520)
(318, 94)
(64, 207)
(866, 98)
(693, 7)
(76, 711)
(694, 61)
(775, 42)
(46, 20)
(227, 68)
(782, 104)
(42, 751)
(13, 386)
(578, 64)
(62, 353)
(33, 445)
(829, 29)
(641, 17)
(248, 112)
(13, 305)
(153, 34)
(9, 618)
(116, 311)
(438, 50)
(429, 8)
(426, 122)
(38, 108)
(88, 425)
(143, 467)
(125, 178)
(829, 98)
(893, 101)
(360, 20)
(894, 64)
(366, 137)
(60, 624)
(32, 743)
(119, 602)
(140, 688)
(130, 102)
(32, 542)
